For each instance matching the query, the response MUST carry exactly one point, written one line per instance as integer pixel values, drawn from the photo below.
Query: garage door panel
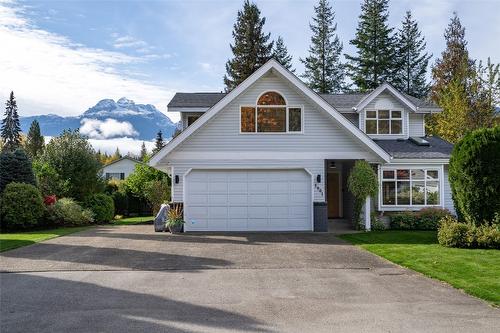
(252, 200)
(237, 187)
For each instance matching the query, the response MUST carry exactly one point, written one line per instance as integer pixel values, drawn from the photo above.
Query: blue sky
(63, 56)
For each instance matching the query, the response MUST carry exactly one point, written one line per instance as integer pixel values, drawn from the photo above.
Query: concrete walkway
(128, 278)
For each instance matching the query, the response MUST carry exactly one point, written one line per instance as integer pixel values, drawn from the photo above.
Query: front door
(333, 194)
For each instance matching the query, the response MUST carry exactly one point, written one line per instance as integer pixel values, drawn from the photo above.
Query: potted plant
(175, 219)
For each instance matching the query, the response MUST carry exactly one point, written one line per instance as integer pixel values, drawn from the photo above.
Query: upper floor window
(384, 122)
(271, 114)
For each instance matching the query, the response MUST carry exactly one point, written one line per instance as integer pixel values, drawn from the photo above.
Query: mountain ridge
(108, 119)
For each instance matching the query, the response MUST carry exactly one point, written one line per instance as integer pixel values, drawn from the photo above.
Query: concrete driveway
(128, 278)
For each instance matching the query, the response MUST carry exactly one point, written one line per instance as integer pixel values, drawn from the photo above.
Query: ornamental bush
(102, 206)
(21, 206)
(474, 175)
(425, 219)
(67, 211)
(362, 183)
(467, 235)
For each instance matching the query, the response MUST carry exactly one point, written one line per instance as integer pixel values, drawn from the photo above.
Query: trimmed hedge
(102, 206)
(21, 206)
(467, 235)
(425, 219)
(474, 176)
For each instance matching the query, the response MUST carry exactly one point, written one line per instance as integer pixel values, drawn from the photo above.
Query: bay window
(410, 187)
(384, 122)
(271, 114)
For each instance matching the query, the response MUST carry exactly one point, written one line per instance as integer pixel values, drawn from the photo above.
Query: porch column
(368, 223)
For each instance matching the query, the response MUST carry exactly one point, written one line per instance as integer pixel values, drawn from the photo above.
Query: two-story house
(272, 155)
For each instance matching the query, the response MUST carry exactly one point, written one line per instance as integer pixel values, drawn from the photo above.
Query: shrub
(102, 206)
(157, 192)
(15, 167)
(425, 219)
(362, 183)
(404, 221)
(21, 206)
(474, 176)
(467, 235)
(377, 224)
(428, 218)
(67, 211)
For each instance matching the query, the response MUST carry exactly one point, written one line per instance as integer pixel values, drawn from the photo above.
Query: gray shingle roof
(194, 100)
(338, 101)
(438, 148)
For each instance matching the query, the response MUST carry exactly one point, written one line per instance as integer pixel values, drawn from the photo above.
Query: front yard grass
(9, 241)
(475, 271)
(133, 220)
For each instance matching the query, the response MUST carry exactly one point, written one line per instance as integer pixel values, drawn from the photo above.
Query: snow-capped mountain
(108, 119)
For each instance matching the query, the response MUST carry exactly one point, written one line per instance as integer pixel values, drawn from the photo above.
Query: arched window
(271, 114)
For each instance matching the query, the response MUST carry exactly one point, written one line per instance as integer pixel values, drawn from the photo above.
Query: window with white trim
(271, 114)
(384, 122)
(410, 187)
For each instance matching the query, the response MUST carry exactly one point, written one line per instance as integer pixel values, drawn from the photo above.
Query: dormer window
(271, 114)
(384, 122)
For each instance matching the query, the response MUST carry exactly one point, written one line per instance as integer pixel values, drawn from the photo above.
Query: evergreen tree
(461, 88)
(34, 141)
(15, 167)
(159, 142)
(375, 61)
(117, 155)
(324, 71)
(454, 63)
(144, 152)
(280, 53)
(251, 48)
(11, 129)
(413, 59)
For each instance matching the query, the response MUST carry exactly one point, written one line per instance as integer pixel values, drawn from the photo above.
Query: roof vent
(419, 141)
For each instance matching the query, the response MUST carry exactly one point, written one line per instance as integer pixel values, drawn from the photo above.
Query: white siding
(125, 166)
(386, 101)
(321, 132)
(416, 124)
(448, 201)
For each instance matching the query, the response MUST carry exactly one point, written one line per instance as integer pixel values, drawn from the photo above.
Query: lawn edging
(475, 271)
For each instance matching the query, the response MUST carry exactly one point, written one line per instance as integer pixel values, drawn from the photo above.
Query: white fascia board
(271, 64)
(434, 161)
(380, 89)
(187, 109)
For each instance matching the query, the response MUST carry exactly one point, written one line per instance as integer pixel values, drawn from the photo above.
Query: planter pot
(175, 229)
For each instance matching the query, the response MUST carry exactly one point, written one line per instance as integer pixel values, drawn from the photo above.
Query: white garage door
(248, 200)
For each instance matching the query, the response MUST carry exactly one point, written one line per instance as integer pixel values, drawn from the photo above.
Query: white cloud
(51, 74)
(109, 128)
(130, 42)
(125, 145)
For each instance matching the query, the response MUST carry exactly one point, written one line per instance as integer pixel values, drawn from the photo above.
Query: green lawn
(477, 272)
(9, 241)
(133, 220)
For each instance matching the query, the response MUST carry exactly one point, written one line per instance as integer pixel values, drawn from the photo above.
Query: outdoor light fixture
(318, 178)
(177, 179)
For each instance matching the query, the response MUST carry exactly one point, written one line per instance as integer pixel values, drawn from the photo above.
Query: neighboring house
(119, 169)
(272, 155)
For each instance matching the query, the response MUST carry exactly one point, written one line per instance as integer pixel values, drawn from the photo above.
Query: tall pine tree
(413, 59)
(455, 63)
(324, 71)
(459, 88)
(144, 152)
(11, 129)
(280, 53)
(251, 48)
(159, 142)
(375, 61)
(34, 141)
